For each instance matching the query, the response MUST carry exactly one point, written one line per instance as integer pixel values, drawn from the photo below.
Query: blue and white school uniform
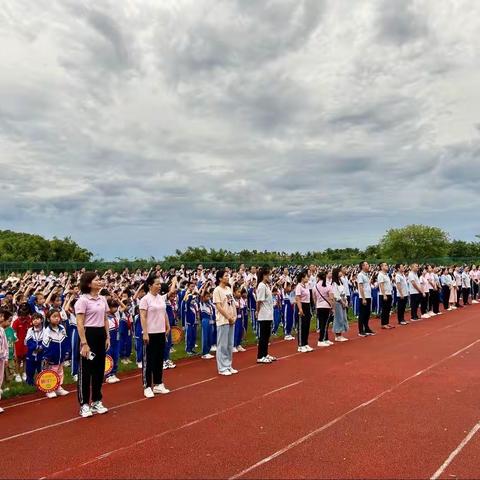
(125, 332)
(238, 327)
(171, 320)
(207, 315)
(34, 358)
(114, 333)
(288, 312)
(191, 314)
(277, 312)
(74, 343)
(252, 307)
(56, 346)
(137, 333)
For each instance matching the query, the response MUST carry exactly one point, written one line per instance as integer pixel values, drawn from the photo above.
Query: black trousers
(414, 304)
(304, 325)
(475, 291)
(364, 316)
(465, 295)
(434, 301)
(91, 372)
(401, 307)
(265, 328)
(424, 303)
(323, 316)
(445, 296)
(459, 295)
(386, 309)
(152, 368)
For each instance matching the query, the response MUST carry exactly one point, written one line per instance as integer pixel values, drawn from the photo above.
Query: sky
(140, 127)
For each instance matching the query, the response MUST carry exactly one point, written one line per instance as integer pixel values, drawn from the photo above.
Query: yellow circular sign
(108, 364)
(177, 335)
(48, 381)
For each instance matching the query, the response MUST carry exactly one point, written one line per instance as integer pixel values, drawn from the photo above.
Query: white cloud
(142, 126)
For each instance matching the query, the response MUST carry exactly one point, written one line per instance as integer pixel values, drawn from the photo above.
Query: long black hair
(261, 273)
(219, 276)
(336, 275)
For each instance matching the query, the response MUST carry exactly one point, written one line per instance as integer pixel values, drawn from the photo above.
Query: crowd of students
(74, 320)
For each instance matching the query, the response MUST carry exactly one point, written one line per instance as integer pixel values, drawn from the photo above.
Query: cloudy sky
(141, 126)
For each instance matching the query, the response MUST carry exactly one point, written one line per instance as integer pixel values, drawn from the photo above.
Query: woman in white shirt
(340, 320)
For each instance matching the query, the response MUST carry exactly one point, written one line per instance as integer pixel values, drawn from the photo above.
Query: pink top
(94, 309)
(156, 312)
(303, 292)
(322, 295)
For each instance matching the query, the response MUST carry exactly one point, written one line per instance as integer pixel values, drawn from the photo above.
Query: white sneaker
(1, 410)
(139, 365)
(171, 364)
(148, 393)
(450, 309)
(329, 342)
(85, 411)
(302, 349)
(474, 301)
(308, 348)
(226, 373)
(24, 376)
(234, 350)
(432, 314)
(161, 389)
(341, 338)
(214, 348)
(18, 378)
(67, 363)
(439, 313)
(323, 344)
(61, 392)
(289, 337)
(207, 356)
(232, 370)
(454, 308)
(51, 395)
(111, 379)
(425, 315)
(98, 407)
(264, 360)
(241, 349)
(272, 358)
(75, 378)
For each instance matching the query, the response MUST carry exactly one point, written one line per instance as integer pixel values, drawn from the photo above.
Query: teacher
(92, 324)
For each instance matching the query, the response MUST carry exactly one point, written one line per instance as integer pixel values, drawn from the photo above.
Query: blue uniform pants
(114, 351)
(75, 360)
(125, 340)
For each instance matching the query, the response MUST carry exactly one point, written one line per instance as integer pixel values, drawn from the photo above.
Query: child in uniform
(114, 350)
(21, 325)
(288, 311)
(33, 342)
(56, 348)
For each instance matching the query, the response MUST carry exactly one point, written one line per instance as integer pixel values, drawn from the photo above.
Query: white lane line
(167, 432)
(460, 447)
(303, 439)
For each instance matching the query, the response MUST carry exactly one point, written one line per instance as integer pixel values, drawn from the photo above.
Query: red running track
(401, 404)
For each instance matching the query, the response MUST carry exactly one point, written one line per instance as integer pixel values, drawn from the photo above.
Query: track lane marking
(311, 434)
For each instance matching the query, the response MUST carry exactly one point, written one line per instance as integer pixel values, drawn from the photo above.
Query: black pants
(459, 295)
(401, 307)
(304, 325)
(424, 304)
(445, 296)
(265, 328)
(386, 308)
(474, 291)
(434, 301)
(91, 372)
(323, 316)
(465, 294)
(153, 359)
(414, 303)
(364, 316)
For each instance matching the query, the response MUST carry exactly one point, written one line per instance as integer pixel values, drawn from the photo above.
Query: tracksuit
(288, 315)
(74, 343)
(238, 330)
(168, 339)
(56, 348)
(277, 313)
(114, 350)
(207, 316)
(252, 307)
(191, 312)
(34, 359)
(125, 334)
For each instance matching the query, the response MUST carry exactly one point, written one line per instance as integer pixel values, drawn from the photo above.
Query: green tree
(414, 242)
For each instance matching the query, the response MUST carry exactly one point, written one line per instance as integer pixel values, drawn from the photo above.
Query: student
(346, 284)
(56, 348)
(93, 329)
(385, 289)
(137, 325)
(3, 353)
(415, 291)
(191, 310)
(425, 286)
(402, 293)
(11, 337)
(323, 297)
(125, 334)
(435, 288)
(225, 314)
(114, 335)
(475, 280)
(238, 328)
(445, 282)
(170, 300)
(340, 319)
(288, 303)
(207, 319)
(33, 342)
(457, 276)
(252, 303)
(265, 315)
(302, 301)
(365, 297)
(277, 310)
(21, 325)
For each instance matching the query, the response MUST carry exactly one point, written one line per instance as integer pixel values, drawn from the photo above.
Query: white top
(364, 279)
(264, 295)
(413, 277)
(401, 281)
(383, 278)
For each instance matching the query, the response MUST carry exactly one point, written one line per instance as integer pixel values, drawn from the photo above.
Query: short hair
(86, 281)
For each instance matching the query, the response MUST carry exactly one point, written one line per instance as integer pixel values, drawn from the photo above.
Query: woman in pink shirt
(302, 299)
(155, 327)
(324, 300)
(91, 311)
